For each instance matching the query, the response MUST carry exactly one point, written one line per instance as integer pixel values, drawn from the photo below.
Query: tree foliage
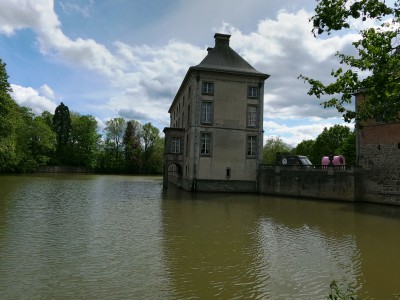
(329, 142)
(151, 146)
(84, 140)
(29, 141)
(378, 57)
(62, 128)
(271, 147)
(305, 147)
(132, 146)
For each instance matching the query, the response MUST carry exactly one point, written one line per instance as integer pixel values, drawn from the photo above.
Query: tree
(35, 141)
(348, 149)
(149, 135)
(329, 142)
(114, 131)
(132, 146)
(8, 123)
(62, 128)
(151, 138)
(84, 140)
(271, 147)
(378, 57)
(305, 148)
(4, 84)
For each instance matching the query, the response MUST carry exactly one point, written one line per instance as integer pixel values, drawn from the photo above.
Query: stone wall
(328, 183)
(381, 163)
(226, 186)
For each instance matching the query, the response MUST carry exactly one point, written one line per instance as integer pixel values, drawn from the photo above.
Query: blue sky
(127, 58)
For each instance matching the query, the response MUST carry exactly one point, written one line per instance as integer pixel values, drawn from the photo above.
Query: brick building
(378, 153)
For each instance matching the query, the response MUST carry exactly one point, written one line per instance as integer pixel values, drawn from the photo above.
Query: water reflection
(250, 246)
(123, 237)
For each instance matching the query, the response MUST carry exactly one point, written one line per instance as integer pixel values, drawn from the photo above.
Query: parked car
(299, 160)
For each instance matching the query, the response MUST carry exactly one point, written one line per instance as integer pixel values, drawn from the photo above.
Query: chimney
(222, 39)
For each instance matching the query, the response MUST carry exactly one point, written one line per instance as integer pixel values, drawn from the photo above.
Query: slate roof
(223, 58)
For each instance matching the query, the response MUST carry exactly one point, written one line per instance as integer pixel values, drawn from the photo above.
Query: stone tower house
(215, 138)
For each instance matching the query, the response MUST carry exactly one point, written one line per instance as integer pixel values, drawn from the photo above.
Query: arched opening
(173, 174)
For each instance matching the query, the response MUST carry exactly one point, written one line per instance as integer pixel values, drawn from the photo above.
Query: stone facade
(216, 124)
(378, 154)
(329, 183)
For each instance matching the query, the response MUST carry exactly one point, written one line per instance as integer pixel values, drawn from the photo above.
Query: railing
(311, 167)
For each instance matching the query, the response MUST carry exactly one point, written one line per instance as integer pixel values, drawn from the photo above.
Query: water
(123, 237)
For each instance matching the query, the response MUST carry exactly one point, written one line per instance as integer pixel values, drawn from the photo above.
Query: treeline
(336, 140)
(66, 138)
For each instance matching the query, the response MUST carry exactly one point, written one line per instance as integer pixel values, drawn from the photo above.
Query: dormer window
(253, 92)
(208, 88)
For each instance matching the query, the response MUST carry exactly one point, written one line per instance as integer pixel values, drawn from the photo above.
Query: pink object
(338, 160)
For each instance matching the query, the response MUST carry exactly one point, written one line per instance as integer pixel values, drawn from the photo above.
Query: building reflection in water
(235, 246)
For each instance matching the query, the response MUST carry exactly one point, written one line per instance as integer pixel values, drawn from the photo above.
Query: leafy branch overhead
(375, 71)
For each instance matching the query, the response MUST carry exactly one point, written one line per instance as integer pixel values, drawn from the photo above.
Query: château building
(215, 138)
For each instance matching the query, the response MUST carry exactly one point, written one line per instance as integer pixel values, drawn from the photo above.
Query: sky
(127, 58)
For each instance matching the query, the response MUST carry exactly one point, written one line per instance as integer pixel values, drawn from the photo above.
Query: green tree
(151, 139)
(85, 140)
(62, 128)
(305, 147)
(329, 142)
(8, 123)
(47, 117)
(132, 146)
(4, 84)
(378, 57)
(35, 141)
(271, 147)
(348, 149)
(113, 146)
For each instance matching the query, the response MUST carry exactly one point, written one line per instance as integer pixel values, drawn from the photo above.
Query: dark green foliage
(305, 148)
(132, 147)
(84, 141)
(152, 145)
(377, 56)
(62, 127)
(336, 140)
(28, 141)
(348, 149)
(329, 142)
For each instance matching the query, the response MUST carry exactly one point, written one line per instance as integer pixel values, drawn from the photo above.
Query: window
(188, 116)
(206, 112)
(176, 145)
(251, 145)
(228, 172)
(205, 143)
(253, 92)
(208, 88)
(187, 145)
(252, 116)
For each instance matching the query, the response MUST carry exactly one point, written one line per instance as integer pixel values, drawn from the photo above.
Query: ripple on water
(301, 262)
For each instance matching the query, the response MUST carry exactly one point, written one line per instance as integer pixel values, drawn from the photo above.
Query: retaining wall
(323, 183)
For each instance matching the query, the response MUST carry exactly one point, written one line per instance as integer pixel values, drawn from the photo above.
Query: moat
(124, 237)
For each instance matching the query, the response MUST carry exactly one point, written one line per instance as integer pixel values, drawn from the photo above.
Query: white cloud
(145, 77)
(70, 7)
(29, 97)
(47, 92)
(294, 134)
